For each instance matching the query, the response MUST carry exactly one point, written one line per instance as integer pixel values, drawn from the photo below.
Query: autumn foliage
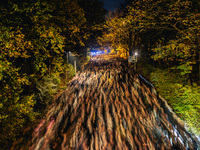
(33, 38)
(167, 33)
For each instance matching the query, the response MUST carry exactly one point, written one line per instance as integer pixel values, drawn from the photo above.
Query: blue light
(96, 52)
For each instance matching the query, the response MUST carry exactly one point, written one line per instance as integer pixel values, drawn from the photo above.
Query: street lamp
(135, 61)
(136, 54)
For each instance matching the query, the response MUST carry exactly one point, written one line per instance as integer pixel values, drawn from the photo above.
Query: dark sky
(112, 4)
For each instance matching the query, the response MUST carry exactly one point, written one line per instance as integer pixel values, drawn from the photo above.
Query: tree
(33, 36)
(181, 21)
(169, 31)
(70, 17)
(95, 16)
(119, 34)
(94, 11)
(15, 109)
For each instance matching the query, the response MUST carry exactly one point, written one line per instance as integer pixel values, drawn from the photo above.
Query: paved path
(107, 106)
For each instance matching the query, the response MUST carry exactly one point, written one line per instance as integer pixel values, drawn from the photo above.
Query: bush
(45, 90)
(70, 71)
(49, 86)
(188, 105)
(183, 98)
(16, 107)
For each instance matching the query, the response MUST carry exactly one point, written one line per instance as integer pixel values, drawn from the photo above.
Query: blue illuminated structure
(96, 52)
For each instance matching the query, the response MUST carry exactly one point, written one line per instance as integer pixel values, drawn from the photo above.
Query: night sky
(112, 4)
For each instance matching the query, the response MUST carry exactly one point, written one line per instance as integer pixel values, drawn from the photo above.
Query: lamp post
(135, 61)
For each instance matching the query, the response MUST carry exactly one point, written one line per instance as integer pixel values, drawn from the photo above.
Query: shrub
(183, 98)
(45, 90)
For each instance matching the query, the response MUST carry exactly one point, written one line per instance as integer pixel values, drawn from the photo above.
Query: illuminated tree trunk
(108, 107)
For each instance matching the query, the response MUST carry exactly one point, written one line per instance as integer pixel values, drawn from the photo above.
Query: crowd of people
(109, 106)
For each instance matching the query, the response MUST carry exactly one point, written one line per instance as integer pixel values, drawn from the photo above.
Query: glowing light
(94, 53)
